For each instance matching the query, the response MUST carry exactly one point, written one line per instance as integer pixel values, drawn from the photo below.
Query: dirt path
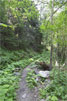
(24, 93)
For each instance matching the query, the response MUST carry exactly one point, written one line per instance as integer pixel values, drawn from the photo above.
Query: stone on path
(24, 96)
(42, 100)
(44, 74)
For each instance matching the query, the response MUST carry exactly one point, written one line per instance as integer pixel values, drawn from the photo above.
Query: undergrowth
(31, 79)
(11, 65)
(57, 88)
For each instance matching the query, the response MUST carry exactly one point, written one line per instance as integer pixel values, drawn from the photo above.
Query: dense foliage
(23, 30)
(55, 33)
(11, 65)
(56, 90)
(19, 27)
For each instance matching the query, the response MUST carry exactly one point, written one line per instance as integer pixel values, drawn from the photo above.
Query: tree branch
(41, 2)
(59, 7)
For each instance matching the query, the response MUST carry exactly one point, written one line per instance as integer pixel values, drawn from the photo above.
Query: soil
(24, 93)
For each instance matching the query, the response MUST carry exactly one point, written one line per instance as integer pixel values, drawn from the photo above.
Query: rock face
(44, 74)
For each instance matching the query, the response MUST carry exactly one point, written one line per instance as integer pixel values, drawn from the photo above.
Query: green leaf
(4, 25)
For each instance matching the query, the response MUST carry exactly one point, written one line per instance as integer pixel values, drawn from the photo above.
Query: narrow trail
(24, 93)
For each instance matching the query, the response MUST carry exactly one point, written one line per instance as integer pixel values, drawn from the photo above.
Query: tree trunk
(51, 54)
(51, 18)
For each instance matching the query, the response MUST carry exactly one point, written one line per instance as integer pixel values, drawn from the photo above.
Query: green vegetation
(32, 76)
(28, 35)
(19, 27)
(12, 63)
(56, 90)
(31, 79)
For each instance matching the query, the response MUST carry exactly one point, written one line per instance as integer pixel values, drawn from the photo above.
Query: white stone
(44, 74)
(35, 96)
(42, 100)
(24, 96)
